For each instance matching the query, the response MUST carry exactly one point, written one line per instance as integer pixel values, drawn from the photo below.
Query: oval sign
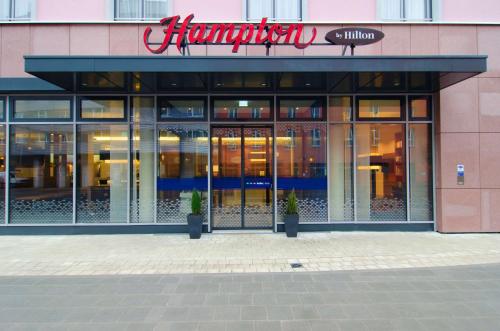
(354, 36)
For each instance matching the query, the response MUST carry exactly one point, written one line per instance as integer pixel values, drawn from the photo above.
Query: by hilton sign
(200, 33)
(183, 33)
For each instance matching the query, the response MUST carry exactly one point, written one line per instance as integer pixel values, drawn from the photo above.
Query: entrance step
(266, 231)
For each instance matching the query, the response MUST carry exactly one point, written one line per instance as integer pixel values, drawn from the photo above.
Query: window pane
(42, 109)
(181, 108)
(243, 109)
(102, 173)
(257, 9)
(143, 180)
(311, 109)
(2, 109)
(340, 109)
(102, 81)
(416, 9)
(370, 108)
(155, 9)
(129, 9)
(102, 108)
(4, 9)
(341, 172)
(420, 146)
(2, 173)
(288, 9)
(301, 162)
(22, 9)
(390, 9)
(182, 167)
(381, 82)
(420, 108)
(41, 174)
(380, 173)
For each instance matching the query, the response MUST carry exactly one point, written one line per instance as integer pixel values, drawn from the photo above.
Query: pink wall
(470, 11)
(71, 10)
(342, 11)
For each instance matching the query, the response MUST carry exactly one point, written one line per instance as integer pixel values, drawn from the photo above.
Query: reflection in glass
(258, 177)
(311, 109)
(41, 175)
(102, 80)
(420, 154)
(142, 194)
(420, 108)
(242, 80)
(341, 173)
(243, 109)
(340, 109)
(102, 173)
(380, 173)
(381, 81)
(2, 173)
(182, 167)
(226, 177)
(42, 109)
(97, 108)
(2, 109)
(380, 108)
(301, 166)
(181, 108)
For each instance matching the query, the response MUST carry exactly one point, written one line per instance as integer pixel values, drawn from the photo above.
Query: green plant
(196, 203)
(291, 204)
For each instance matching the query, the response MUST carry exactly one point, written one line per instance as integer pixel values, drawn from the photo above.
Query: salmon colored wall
(467, 123)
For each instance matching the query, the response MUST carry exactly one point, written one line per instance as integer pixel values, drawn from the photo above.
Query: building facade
(100, 134)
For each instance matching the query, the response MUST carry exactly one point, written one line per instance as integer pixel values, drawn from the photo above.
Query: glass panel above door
(243, 109)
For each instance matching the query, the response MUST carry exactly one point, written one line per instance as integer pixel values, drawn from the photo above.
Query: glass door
(242, 190)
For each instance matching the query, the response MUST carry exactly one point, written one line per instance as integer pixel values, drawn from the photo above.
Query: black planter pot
(291, 225)
(195, 225)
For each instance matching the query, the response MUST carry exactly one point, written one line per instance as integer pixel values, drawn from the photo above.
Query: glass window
(381, 82)
(2, 172)
(182, 167)
(15, 9)
(242, 109)
(371, 108)
(2, 109)
(420, 108)
(141, 9)
(102, 108)
(102, 81)
(142, 194)
(380, 173)
(186, 109)
(301, 162)
(341, 173)
(416, 10)
(420, 154)
(301, 109)
(41, 174)
(241, 80)
(340, 109)
(102, 182)
(274, 9)
(41, 109)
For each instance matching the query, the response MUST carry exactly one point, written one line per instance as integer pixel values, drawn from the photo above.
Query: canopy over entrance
(333, 74)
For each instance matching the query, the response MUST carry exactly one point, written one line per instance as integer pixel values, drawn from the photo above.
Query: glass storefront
(137, 159)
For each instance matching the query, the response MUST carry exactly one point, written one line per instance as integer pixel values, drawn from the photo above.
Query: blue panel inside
(182, 184)
(319, 183)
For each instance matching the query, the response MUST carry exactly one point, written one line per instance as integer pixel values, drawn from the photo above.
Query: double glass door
(242, 180)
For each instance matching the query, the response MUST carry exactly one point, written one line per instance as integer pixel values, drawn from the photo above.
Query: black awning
(442, 71)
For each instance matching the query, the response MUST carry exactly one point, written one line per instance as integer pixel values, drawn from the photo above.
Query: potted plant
(195, 219)
(291, 216)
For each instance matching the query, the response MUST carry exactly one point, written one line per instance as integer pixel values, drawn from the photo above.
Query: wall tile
(490, 210)
(397, 40)
(460, 148)
(459, 109)
(89, 39)
(457, 39)
(424, 39)
(460, 210)
(50, 39)
(489, 160)
(15, 44)
(489, 101)
(488, 40)
(123, 39)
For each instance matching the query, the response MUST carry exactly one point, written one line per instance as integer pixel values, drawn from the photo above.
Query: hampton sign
(182, 33)
(220, 33)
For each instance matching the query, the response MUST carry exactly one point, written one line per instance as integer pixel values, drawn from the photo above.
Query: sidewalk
(240, 253)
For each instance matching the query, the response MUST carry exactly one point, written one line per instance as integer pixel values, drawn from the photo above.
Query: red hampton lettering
(200, 33)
